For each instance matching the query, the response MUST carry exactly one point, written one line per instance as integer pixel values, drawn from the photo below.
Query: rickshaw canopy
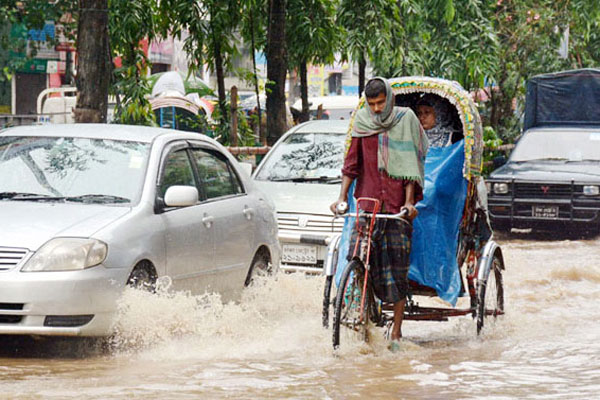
(465, 106)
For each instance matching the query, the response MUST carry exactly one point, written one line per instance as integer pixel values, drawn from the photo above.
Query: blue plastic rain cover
(435, 235)
(344, 245)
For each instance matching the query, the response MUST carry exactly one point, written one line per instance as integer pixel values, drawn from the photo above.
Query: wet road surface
(272, 345)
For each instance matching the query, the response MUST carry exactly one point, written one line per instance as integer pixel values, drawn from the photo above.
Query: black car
(551, 181)
(552, 178)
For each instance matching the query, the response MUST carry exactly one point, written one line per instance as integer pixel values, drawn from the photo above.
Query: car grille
(309, 223)
(10, 257)
(10, 318)
(536, 190)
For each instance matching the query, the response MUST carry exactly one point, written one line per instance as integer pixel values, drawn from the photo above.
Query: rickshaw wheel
(327, 300)
(347, 303)
(490, 294)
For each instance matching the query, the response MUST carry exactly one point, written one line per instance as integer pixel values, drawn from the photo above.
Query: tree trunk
(220, 79)
(304, 115)
(362, 66)
(93, 62)
(233, 136)
(261, 135)
(276, 71)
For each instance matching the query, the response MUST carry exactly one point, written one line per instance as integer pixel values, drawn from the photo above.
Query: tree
(453, 43)
(253, 30)
(93, 67)
(129, 24)
(208, 29)
(370, 28)
(312, 36)
(276, 71)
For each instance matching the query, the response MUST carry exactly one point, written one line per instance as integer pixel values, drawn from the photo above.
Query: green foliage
(373, 30)
(311, 33)
(16, 18)
(129, 24)
(221, 130)
(491, 141)
(207, 28)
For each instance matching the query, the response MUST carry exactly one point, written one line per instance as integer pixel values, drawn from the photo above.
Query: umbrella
(178, 81)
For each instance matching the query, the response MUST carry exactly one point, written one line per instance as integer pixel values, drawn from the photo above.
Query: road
(272, 345)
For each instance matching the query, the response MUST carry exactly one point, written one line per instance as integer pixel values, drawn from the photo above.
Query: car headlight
(67, 254)
(591, 190)
(500, 188)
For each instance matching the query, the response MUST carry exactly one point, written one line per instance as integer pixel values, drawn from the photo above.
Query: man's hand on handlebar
(412, 211)
(340, 206)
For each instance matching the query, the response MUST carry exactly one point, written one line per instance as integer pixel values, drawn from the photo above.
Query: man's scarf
(402, 142)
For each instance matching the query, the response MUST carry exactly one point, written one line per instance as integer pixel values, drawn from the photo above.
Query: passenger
(388, 170)
(436, 119)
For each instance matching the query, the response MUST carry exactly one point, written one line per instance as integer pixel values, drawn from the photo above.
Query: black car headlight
(591, 190)
(500, 188)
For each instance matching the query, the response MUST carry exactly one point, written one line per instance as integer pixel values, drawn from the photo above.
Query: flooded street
(272, 345)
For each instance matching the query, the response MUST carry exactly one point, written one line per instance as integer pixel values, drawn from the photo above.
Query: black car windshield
(305, 157)
(71, 169)
(558, 145)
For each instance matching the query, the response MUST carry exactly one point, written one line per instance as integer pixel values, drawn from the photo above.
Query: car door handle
(248, 212)
(207, 221)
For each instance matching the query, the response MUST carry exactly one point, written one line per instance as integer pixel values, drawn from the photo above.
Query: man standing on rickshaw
(386, 157)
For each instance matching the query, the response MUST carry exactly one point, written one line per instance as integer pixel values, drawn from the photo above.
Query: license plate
(545, 211)
(294, 253)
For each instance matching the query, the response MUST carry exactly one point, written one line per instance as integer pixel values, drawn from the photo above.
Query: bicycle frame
(361, 247)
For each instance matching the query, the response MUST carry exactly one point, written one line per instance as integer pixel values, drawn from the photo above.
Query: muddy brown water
(272, 345)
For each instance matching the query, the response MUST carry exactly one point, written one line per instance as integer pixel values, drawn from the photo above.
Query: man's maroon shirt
(361, 164)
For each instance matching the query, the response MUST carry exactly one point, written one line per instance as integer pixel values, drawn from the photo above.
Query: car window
(177, 171)
(216, 174)
(558, 145)
(305, 155)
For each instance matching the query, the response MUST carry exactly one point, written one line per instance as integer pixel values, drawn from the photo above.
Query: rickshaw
(453, 252)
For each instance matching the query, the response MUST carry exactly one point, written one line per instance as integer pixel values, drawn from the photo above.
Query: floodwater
(272, 345)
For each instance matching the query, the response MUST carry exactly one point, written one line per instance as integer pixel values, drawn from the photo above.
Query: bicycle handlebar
(399, 216)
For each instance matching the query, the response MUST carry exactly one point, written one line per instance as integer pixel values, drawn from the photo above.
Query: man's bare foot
(396, 335)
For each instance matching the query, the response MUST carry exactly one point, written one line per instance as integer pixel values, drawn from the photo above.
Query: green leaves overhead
(312, 34)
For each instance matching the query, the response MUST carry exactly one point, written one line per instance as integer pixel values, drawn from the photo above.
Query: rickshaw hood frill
(457, 96)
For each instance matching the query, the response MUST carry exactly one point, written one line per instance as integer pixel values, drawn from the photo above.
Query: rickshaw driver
(386, 157)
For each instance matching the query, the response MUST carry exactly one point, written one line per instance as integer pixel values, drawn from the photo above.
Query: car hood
(549, 171)
(31, 224)
(309, 198)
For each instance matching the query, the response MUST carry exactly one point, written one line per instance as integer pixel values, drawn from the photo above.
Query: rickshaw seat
(421, 290)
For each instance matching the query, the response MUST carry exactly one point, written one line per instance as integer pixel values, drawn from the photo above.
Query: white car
(302, 174)
(88, 208)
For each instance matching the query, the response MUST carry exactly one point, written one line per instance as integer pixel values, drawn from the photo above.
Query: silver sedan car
(87, 209)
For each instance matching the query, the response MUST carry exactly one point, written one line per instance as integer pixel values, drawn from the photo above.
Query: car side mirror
(499, 161)
(181, 196)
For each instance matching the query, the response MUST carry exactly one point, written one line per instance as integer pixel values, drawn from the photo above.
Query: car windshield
(305, 157)
(572, 145)
(71, 169)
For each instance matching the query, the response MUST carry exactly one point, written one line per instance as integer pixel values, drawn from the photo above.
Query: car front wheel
(260, 266)
(143, 277)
